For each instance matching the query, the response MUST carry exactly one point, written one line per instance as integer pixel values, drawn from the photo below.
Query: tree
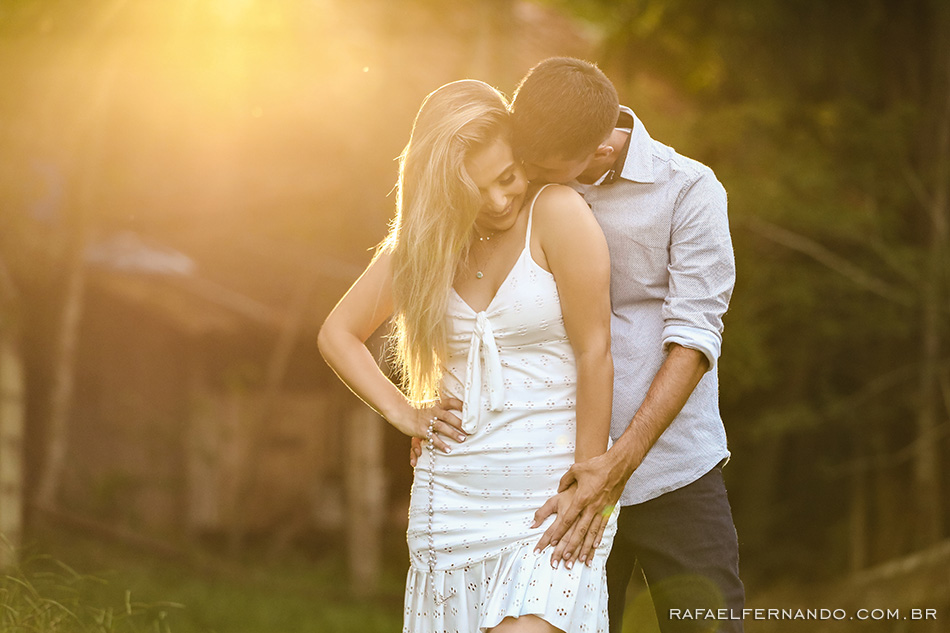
(827, 122)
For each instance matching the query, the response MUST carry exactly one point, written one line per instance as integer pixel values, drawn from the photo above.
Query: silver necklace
(481, 239)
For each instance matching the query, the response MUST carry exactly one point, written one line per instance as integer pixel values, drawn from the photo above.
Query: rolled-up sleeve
(702, 268)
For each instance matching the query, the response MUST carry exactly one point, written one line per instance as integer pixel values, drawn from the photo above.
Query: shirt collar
(636, 164)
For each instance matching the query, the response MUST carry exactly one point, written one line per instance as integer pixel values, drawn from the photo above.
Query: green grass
(74, 583)
(47, 596)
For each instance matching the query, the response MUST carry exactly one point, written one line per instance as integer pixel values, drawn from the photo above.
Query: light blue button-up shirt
(672, 275)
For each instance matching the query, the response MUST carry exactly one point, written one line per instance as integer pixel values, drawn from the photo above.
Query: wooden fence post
(11, 451)
(365, 499)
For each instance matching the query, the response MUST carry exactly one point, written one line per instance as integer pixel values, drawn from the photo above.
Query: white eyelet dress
(472, 562)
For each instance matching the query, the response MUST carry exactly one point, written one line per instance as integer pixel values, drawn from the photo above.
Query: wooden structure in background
(366, 498)
(299, 464)
(202, 408)
(12, 399)
(12, 422)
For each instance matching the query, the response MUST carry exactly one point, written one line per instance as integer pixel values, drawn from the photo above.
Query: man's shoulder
(686, 175)
(681, 164)
(667, 163)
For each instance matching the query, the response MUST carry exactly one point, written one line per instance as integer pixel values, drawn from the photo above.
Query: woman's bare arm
(342, 341)
(575, 251)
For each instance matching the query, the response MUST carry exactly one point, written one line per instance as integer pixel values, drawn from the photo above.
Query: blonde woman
(499, 299)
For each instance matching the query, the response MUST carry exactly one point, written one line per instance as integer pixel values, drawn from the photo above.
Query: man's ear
(603, 151)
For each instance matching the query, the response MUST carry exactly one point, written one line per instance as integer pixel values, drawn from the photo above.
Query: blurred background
(187, 187)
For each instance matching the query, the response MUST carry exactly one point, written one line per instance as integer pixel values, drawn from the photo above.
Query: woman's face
(502, 182)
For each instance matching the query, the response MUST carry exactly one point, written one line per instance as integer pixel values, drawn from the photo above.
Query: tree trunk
(858, 519)
(11, 449)
(929, 503)
(365, 499)
(85, 164)
(891, 530)
(929, 508)
(57, 433)
(12, 418)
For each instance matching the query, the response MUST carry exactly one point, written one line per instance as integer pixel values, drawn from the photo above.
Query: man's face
(556, 170)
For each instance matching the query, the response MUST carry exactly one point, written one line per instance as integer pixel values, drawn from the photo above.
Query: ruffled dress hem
(514, 583)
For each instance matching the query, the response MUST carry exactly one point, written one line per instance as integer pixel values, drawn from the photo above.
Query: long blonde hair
(436, 206)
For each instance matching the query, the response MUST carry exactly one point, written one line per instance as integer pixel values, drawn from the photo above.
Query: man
(672, 275)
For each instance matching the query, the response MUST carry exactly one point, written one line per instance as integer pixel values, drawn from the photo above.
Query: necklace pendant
(479, 275)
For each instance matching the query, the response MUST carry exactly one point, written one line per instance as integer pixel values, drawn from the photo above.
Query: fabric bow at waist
(483, 344)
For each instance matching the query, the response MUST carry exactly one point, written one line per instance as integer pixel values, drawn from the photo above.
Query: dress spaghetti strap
(527, 235)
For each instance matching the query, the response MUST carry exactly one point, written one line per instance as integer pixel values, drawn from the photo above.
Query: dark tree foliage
(827, 123)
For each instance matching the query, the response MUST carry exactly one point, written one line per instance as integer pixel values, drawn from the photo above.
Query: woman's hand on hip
(432, 425)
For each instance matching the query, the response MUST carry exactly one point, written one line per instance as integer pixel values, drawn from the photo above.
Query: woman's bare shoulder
(560, 208)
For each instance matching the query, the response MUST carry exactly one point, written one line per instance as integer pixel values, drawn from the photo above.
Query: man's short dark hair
(564, 108)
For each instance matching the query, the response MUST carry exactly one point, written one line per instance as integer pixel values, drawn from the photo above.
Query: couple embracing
(558, 348)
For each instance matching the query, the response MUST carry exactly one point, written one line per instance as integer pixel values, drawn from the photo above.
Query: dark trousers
(685, 543)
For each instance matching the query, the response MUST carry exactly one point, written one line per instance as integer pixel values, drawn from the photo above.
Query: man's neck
(598, 167)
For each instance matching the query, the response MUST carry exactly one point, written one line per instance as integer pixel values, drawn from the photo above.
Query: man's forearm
(600, 480)
(671, 387)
